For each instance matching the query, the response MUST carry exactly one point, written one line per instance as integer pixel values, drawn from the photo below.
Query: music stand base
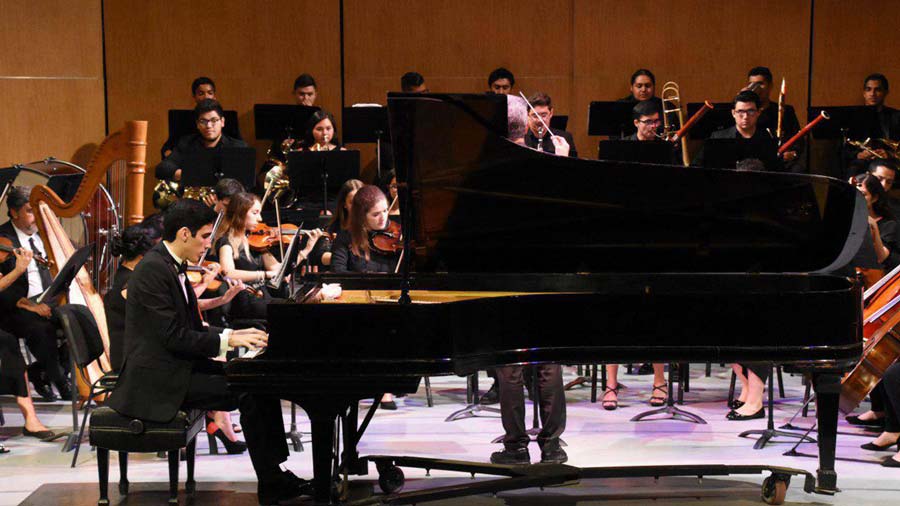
(472, 410)
(672, 413)
(767, 435)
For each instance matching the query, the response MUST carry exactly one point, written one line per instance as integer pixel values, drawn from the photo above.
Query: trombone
(673, 118)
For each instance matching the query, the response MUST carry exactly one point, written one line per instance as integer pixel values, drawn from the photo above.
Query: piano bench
(110, 430)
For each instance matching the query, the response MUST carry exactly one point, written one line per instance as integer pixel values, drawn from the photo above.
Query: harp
(128, 146)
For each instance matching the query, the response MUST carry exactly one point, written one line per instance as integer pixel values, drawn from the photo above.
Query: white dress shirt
(34, 277)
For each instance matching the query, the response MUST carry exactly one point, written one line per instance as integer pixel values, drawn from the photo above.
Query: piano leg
(322, 417)
(828, 390)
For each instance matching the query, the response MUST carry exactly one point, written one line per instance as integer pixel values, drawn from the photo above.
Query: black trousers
(550, 395)
(41, 338)
(260, 418)
(12, 367)
(877, 397)
(891, 382)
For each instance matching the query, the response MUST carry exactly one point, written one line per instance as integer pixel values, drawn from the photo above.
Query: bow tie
(182, 269)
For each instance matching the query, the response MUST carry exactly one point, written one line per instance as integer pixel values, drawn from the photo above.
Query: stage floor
(38, 473)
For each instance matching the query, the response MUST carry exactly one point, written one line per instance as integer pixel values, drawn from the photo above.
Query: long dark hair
(341, 217)
(233, 224)
(365, 199)
(880, 203)
(133, 242)
(308, 139)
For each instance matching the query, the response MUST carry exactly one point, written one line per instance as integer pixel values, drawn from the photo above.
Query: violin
(6, 248)
(195, 276)
(388, 241)
(263, 237)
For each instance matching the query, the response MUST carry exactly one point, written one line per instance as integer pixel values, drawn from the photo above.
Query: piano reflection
(504, 242)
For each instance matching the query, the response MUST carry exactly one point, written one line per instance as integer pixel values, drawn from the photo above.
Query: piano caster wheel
(391, 479)
(774, 489)
(123, 488)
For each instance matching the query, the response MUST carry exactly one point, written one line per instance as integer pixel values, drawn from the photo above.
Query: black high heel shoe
(872, 447)
(232, 447)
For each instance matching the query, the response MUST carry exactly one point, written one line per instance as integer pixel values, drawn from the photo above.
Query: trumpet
(890, 148)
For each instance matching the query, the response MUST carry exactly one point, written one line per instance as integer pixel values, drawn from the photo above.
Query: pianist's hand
(562, 147)
(248, 338)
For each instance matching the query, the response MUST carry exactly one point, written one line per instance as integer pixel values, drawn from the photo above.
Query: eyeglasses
(746, 112)
(207, 122)
(649, 121)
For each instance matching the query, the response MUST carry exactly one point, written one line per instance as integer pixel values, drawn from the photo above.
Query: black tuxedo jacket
(531, 141)
(165, 341)
(19, 288)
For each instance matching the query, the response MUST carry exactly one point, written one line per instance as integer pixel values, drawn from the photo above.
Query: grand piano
(520, 257)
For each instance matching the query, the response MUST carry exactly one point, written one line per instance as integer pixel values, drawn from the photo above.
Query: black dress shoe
(43, 435)
(44, 390)
(64, 392)
(554, 455)
(511, 457)
(492, 396)
(872, 447)
(388, 405)
(737, 417)
(736, 404)
(305, 486)
(854, 420)
(280, 488)
(890, 462)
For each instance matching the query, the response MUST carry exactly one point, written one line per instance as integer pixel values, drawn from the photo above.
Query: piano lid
(481, 203)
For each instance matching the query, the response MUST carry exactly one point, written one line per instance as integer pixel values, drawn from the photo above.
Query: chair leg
(731, 389)
(103, 475)
(191, 485)
(173, 476)
(594, 382)
(87, 411)
(123, 473)
(213, 444)
(429, 396)
(684, 376)
(780, 382)
(708, 369)
(2, 420)
(806, 394)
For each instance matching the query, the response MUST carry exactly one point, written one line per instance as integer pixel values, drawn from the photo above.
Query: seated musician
(240, 263)
(882, 223)
(305, 90)
(501, 81)
(13, 376)
(886, 172)
(203, 88)
(761, 77)
(167, 352)
(891, 422)
(340, 219)
(753, 141)
(517, 125)
(886, 125)
(413, 82)
(134, 242)
(642, 88)
(23, 318)
(536, 137)
(647, 120)
(223, 191)
(320, 133)
(210, 121)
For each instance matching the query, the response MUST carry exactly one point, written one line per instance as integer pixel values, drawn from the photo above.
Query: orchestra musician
(210, 120)
(22, 317)
(340, 219)
(884, 124)
(240, 263)
(761, 78)
(550, 395)
(501, 81)
(305, 90)
(891, 419)
(203, 88)
(223, 191)
(413, 82)
(642, 88)
(131, 245)
(13, 376)
(886, 171)
(167, 353)
(320, 133)
(753, 141)
(536, 137)
(882, 223)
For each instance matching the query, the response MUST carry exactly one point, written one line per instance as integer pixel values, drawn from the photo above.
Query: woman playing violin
(353, 252)
(240, 263)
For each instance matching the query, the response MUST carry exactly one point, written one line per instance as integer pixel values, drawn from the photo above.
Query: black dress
(12, 367)
(344, 260)
(245, 305)
(114, 304)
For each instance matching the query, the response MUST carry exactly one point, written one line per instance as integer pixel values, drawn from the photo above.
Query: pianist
(167, 352)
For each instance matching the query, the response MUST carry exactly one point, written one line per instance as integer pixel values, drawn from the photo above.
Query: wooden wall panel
(253, 50)
(706, 47)
(851, 41)
(51, 79)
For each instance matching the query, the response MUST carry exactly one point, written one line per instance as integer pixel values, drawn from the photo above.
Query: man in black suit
(536, 136)
(210, 120)
(168, 351)
(875, 121)
(761, 78)
(21, 317)
(751, 141)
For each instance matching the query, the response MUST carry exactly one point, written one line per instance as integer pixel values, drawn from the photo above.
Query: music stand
(290, 257)
(274, 121)
(716, 119)
(206, 167)
(559, 122)
(8, 176)
(852, 120)
(610, 118)
(66, 274)
(312, 172)
(725, 153)
(636, 151)
(366, 124)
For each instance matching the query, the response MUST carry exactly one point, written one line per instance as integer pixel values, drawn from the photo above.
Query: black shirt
(114, 304)
(191, 144)
(547, 146)
(890, 237)
(344, 260)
